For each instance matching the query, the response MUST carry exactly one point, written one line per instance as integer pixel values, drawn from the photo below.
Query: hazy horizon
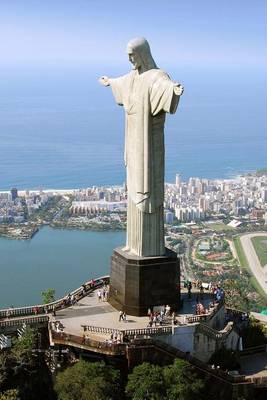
(59, 127)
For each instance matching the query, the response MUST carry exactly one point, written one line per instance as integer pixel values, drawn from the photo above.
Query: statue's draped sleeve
(118, 88)
(163, 96)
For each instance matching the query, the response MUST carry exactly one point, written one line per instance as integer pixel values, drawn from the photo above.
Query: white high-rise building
(264, 195)
(178, 180)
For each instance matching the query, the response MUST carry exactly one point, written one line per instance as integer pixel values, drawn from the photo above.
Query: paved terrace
(101, 319)
(89, 311)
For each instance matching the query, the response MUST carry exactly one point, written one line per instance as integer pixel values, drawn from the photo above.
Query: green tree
(146, 382)
(236, 295)
(48, 296)
(254, 334)
(24, 345)
(181, 381)
(3, 368)
(11, 394)
(86, 380)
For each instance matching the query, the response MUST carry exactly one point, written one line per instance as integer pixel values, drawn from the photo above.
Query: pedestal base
(139, 283)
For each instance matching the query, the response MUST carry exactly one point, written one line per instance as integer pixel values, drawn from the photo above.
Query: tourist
(201, 291)
(120, 316)
(219, 294)
(189, 289)
(154, 320)
(83, 290)
(72, 299)
(200, 309)
(124, 317)
(68, 299)
(167, 310)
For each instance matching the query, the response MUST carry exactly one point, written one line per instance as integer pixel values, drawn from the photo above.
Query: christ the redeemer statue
(147, 94)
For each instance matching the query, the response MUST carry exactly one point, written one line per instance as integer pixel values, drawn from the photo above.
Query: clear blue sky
(203, 33)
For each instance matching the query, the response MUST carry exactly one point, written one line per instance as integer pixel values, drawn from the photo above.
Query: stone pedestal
(138, 283)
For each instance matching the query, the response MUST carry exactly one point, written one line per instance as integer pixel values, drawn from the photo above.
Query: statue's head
(140, 55)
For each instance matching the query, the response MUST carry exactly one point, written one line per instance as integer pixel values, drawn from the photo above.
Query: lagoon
(53, 258)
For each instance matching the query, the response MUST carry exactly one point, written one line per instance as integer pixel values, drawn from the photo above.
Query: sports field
(218, 226)
(260, 246)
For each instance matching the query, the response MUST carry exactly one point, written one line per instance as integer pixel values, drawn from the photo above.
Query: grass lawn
(260, 246)
(244, 263)
(241, 255)
(218, 227)
(257, 287)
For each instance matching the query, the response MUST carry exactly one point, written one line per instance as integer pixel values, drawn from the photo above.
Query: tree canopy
(11, 394)
(146, 382)
(86, 380)
(173, 382)
(48, 296)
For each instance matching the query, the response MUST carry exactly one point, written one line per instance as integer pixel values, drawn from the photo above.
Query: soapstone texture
(147, 94)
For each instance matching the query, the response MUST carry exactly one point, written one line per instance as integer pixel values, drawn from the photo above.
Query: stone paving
(91, 311)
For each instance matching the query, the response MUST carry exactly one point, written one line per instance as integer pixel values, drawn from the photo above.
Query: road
(254, 263)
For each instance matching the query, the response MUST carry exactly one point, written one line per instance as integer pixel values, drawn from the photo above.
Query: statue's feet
(126, 248)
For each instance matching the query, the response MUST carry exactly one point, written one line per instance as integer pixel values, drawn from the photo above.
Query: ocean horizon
(64, 130)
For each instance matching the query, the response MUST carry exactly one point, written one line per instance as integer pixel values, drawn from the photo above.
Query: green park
(260, 246)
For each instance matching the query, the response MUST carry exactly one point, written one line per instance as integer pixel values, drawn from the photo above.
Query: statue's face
(135, 59)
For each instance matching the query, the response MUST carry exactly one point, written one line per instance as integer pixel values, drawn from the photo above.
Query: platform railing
(213, 333)
(85, 342)
(205, 317)
(161, 330)
(31, 320)
(129, 333)
(55, 305)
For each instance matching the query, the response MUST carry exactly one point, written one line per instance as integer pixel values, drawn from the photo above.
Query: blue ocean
(61, 129)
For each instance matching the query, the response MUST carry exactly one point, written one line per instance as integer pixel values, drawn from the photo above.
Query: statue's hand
(104, 80)
(178, 89)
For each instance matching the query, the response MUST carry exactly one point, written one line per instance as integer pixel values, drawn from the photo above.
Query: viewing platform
(85, 321)
(92, 323)
(96, 316)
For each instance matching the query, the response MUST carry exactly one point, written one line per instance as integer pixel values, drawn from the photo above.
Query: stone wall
(182, 338)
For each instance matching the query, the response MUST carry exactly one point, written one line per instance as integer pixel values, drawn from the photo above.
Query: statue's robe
(146, 98)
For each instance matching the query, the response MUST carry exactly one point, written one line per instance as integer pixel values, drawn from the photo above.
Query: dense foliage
(48, 296)
(146, 382)
(23, 372)
(85, 380)
(173, 382)
(11, 394)
(254, 334)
